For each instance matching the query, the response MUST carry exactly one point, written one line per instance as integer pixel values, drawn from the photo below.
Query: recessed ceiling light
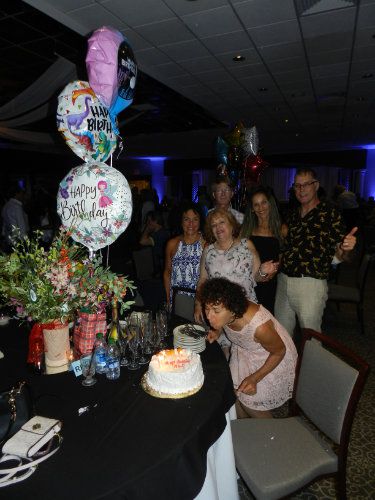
(276, 108)
(238, 58)
(286, 120)
(367, 75)
(297, 134)
(263, 89)
(360, 98)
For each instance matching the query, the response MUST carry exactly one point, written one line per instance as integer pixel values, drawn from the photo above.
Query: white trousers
(304, 298)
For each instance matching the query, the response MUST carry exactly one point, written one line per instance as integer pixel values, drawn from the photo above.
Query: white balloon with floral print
(94, 202)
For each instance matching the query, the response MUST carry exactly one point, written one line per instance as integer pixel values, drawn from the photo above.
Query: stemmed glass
(133, 339)
(124, 342)
(162, 326)
(143, 360)
(88, 370)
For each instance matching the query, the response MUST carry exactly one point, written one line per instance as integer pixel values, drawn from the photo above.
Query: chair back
(143, 263)
(327, 387)
(362, 273)
(183, 302)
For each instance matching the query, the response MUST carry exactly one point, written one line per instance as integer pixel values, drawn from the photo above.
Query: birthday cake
(174, 373)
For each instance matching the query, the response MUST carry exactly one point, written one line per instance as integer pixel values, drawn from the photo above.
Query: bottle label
(101, 359)
(113, 364)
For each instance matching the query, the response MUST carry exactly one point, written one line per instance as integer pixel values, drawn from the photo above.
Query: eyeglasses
(223, 191)
(298, 187)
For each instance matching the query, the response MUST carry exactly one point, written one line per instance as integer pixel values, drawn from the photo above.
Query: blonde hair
(214, 214)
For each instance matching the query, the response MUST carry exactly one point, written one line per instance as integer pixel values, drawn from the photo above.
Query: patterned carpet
(343, 326)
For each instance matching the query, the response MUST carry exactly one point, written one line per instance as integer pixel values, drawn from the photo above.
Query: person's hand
(198, 313)
(270, 267)
(212, 335)
(248, 386)
(349, 242)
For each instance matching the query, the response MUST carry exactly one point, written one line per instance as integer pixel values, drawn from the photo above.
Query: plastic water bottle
(113, 360)
(100, 354)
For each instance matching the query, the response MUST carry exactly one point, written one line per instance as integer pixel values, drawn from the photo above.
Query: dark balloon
(253, 167)
(126, 79)
(221, 151)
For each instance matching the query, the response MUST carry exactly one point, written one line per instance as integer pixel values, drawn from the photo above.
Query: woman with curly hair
(229, 256)
(263, 355)
(262, 225)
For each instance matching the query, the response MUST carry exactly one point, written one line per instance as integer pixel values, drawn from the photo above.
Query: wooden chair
(352, 294)
(182, 303)
(277, 457)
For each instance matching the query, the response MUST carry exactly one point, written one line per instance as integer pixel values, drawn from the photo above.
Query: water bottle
(100, 354)
(113, 360)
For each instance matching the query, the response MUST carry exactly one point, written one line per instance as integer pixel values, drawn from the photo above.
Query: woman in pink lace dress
(263, 355)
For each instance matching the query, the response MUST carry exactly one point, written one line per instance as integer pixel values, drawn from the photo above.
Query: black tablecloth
(129, 445)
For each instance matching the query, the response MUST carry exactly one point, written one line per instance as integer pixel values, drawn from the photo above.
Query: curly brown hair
(222, 291)
(215, 214)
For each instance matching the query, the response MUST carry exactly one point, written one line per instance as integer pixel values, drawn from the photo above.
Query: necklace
(227, 249)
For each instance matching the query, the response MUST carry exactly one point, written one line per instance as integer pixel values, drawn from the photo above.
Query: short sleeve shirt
(311, 242)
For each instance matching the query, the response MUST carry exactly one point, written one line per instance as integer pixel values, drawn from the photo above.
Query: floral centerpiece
(50, 286)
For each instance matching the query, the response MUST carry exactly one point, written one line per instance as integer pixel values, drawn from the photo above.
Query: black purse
(16, 408)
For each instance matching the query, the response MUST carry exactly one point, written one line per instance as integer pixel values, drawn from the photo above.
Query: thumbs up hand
(349, 241)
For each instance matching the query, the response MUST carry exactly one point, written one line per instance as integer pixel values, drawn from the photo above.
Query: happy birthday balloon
(235, 136)
(127, 71)
(101, 63)
(94, 202)
(85, 122)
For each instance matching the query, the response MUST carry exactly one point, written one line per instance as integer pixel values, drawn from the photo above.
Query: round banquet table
(128, 445)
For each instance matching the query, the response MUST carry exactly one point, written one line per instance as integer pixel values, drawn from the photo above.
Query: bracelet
(262, 275)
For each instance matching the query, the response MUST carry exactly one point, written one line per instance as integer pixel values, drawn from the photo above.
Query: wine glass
(88, 370)
(133, 340)
(143, 335)
(162, 326)
(124, 342)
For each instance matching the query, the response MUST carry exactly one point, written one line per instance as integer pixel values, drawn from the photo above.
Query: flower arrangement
(49, 285)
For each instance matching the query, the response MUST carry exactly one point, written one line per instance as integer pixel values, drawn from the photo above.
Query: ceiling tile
(328, 22)
(273, 34)
(333, 41)
(329, 57)
(151, 57)
(88, 17)
(261, 12)
(130, 13)
(213, 22)
(17, 32)
(185, 50)
(165, 32)
(282, 51)
(67, 5)
(169, 70)
(363, 53)
(249, 70)
(200, 65)
(136, 41)
(366, 16)
(330, 70)
(292, 76)
(183, 80)
(284, 65)
(365, 36)
(215, 76)
(229, 42)
(183, 8)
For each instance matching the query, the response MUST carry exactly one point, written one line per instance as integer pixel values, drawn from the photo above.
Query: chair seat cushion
(276, 457)
(342, 293)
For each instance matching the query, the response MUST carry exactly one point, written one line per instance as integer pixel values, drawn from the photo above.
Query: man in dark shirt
(316, 236)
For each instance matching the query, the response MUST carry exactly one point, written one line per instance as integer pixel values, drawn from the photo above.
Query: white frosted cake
(174, 373)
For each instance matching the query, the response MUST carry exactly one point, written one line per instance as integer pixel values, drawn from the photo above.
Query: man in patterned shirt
(316, 235)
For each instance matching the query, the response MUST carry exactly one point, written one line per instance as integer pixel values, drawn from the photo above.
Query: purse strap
(11, 475)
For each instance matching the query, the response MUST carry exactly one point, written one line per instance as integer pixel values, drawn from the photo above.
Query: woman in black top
(262, 224)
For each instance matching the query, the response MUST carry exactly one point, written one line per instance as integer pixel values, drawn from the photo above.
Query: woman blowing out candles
(263, 355)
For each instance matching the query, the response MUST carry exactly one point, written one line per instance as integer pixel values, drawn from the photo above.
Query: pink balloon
(101, 63)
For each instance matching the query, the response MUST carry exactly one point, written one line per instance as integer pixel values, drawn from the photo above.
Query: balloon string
(111, 159)
(108, 256)
(120, 147)
(91, 253)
